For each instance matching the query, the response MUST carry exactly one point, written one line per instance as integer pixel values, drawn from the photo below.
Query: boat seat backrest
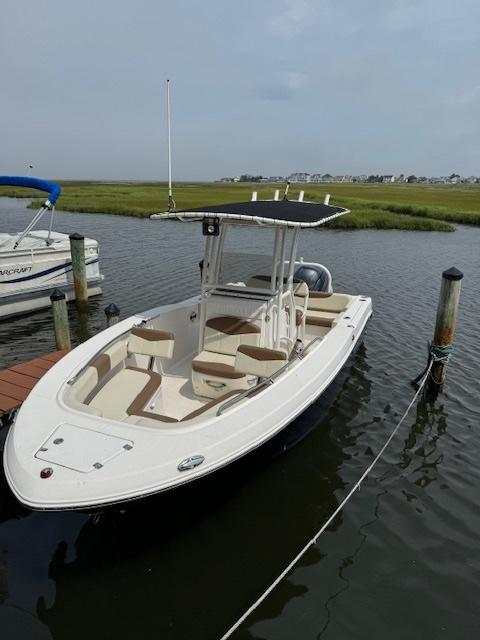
(151, 342)
(259, 361)
(335, 302)
(224, 334)
(98, 370)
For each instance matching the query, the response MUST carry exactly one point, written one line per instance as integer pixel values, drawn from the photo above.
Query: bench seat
(126, 393)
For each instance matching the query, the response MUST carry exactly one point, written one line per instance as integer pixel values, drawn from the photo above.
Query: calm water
(402, 561)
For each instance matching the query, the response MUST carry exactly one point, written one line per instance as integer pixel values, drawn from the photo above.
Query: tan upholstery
(336, 302)
(213, 370)
(150, 342)
(127, 393)
(225, 334)
(214, 374)
(320, 319)
(259, 361)
(213, 404)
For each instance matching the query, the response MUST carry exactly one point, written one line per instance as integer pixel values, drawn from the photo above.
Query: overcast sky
(258, 86)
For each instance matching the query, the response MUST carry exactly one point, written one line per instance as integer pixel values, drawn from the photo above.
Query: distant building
(299, 177)
(388, 178)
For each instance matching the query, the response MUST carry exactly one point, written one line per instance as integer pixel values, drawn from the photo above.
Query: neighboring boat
(170, 395)
(34, 262)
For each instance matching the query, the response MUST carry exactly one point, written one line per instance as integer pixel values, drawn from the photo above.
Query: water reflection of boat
(171, 395)
(35, 261)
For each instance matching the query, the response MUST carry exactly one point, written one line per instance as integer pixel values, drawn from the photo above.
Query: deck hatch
(81, 449)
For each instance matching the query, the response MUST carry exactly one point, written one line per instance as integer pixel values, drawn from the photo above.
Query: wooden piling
(445, 324)
(112, 313)
(77, 250)
(60, 320)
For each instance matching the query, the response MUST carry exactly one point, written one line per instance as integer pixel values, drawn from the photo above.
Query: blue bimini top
(51, 188)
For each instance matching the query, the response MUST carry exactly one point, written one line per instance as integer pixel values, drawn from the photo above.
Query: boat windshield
(245, 270)
(239, 258)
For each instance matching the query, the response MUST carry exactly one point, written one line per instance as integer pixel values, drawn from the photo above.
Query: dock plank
(55, 356)
(13, 391)
(29, 370)
(8, 404)
(17, 381)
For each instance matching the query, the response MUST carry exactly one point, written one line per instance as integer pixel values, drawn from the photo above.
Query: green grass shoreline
(407, 207)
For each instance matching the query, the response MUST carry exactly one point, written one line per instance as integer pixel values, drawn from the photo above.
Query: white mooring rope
(313, 540)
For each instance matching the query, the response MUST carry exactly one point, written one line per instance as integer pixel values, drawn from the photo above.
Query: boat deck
(17, 381)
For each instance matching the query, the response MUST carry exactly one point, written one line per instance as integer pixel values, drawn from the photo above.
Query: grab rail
(267, 381)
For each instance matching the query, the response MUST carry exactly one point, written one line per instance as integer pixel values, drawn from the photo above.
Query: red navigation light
(46, 473)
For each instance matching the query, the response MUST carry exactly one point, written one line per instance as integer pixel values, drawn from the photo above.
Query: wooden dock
(17, 381)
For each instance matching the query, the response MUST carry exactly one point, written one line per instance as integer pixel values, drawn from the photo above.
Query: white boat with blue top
(33, 262)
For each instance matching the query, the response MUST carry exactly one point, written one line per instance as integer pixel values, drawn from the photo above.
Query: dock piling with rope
(446, 320)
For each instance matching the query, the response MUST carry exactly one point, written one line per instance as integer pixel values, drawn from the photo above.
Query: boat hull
(150, 463)
(29, 275)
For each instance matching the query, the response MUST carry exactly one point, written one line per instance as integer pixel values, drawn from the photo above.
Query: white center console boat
(167, 396)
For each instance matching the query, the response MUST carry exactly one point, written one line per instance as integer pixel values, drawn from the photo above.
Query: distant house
(299, 177)
(388, 178)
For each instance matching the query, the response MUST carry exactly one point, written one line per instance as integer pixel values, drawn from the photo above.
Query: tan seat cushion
(335, 302)
(259, 361)
(127, 393)
(214, 374)
(319, 320)
(224, 334)
(150, 342)
(216, 364)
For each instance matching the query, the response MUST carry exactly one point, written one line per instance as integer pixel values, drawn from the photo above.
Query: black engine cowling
(315, 278)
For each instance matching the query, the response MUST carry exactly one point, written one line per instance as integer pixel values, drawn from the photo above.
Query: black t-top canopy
(279, 212)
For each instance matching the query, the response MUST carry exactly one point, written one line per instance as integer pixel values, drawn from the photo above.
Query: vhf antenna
(171, 201)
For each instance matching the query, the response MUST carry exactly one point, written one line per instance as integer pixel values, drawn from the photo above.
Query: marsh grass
(409, 207)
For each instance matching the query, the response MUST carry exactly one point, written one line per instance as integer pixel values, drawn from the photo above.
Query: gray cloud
(266, 87)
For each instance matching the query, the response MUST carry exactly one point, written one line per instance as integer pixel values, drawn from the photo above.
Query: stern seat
(325, 308)
(213, 370)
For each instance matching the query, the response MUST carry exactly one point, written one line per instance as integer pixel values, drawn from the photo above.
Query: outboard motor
(315, 277)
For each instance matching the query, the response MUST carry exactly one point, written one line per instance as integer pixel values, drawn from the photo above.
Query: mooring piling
(60, 320)
(445, 324)
(77, 250)
(112, 312)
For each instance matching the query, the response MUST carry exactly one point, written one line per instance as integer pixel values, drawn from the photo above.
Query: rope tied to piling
(440, 353)
(436, 353)
(335, 513)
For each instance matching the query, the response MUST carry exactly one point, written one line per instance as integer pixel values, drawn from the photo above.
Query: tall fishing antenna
(171, 201)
